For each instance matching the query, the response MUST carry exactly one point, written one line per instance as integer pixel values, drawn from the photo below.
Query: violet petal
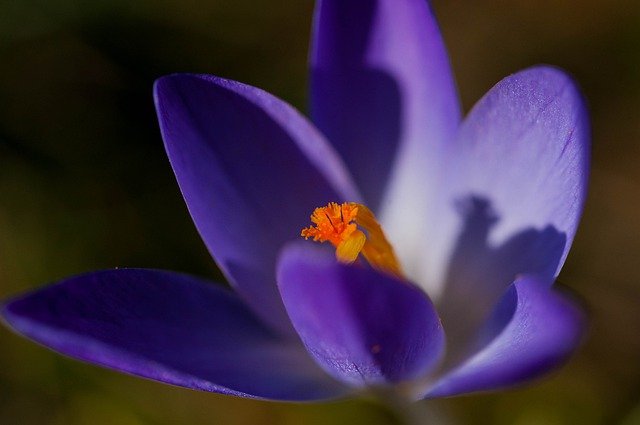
(363, 327)
(171, 328)
(515, 190)
(383, 92)
(251, 170)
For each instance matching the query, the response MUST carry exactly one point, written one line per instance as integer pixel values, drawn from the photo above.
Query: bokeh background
(85, 184)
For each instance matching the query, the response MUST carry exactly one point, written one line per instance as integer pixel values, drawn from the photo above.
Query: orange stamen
(341, 225)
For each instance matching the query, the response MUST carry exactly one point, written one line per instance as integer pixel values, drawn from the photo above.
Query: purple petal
(383, 92)
(251, 170)
(362, 327)
(515, 189)
(171, 328)
(533, 330)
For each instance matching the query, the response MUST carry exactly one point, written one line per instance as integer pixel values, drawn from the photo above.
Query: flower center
(344, 225)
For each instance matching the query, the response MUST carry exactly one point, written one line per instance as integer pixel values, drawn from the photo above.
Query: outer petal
(362, 327)
(383, 93)
(515, 189)
(532, 331)
(169, 327)
(251, 170)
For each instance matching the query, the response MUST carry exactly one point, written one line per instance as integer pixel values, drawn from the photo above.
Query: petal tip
(166, 86)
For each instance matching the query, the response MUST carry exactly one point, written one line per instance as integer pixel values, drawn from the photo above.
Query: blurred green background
(85, 184)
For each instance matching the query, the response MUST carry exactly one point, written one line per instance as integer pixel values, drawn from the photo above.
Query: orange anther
(341, 225)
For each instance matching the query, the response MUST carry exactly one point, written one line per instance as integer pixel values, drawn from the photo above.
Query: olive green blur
(85, 184)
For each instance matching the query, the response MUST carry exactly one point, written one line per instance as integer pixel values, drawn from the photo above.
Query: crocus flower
(434, 226)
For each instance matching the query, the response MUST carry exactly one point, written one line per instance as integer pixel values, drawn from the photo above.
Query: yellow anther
(341, 225)
(347, 251)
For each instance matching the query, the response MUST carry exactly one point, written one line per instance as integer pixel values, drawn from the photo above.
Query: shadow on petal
(479, 272)
(363, 122)
(354, 102)
(533, 330)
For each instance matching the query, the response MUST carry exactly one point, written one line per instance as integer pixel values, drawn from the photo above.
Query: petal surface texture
(533, 330)
(383, 92)
(364, 328)
(515, 190)
(251, 170)
(171, 328)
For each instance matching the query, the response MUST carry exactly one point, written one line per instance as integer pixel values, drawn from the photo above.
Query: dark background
(85, 184)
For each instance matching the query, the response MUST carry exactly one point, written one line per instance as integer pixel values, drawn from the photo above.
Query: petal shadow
(533, 330)
(360, 114)
(480, 271)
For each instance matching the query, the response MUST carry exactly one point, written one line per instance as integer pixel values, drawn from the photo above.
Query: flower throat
(344, 225)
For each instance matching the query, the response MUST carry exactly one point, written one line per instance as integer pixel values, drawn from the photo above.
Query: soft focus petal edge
(172, 328)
